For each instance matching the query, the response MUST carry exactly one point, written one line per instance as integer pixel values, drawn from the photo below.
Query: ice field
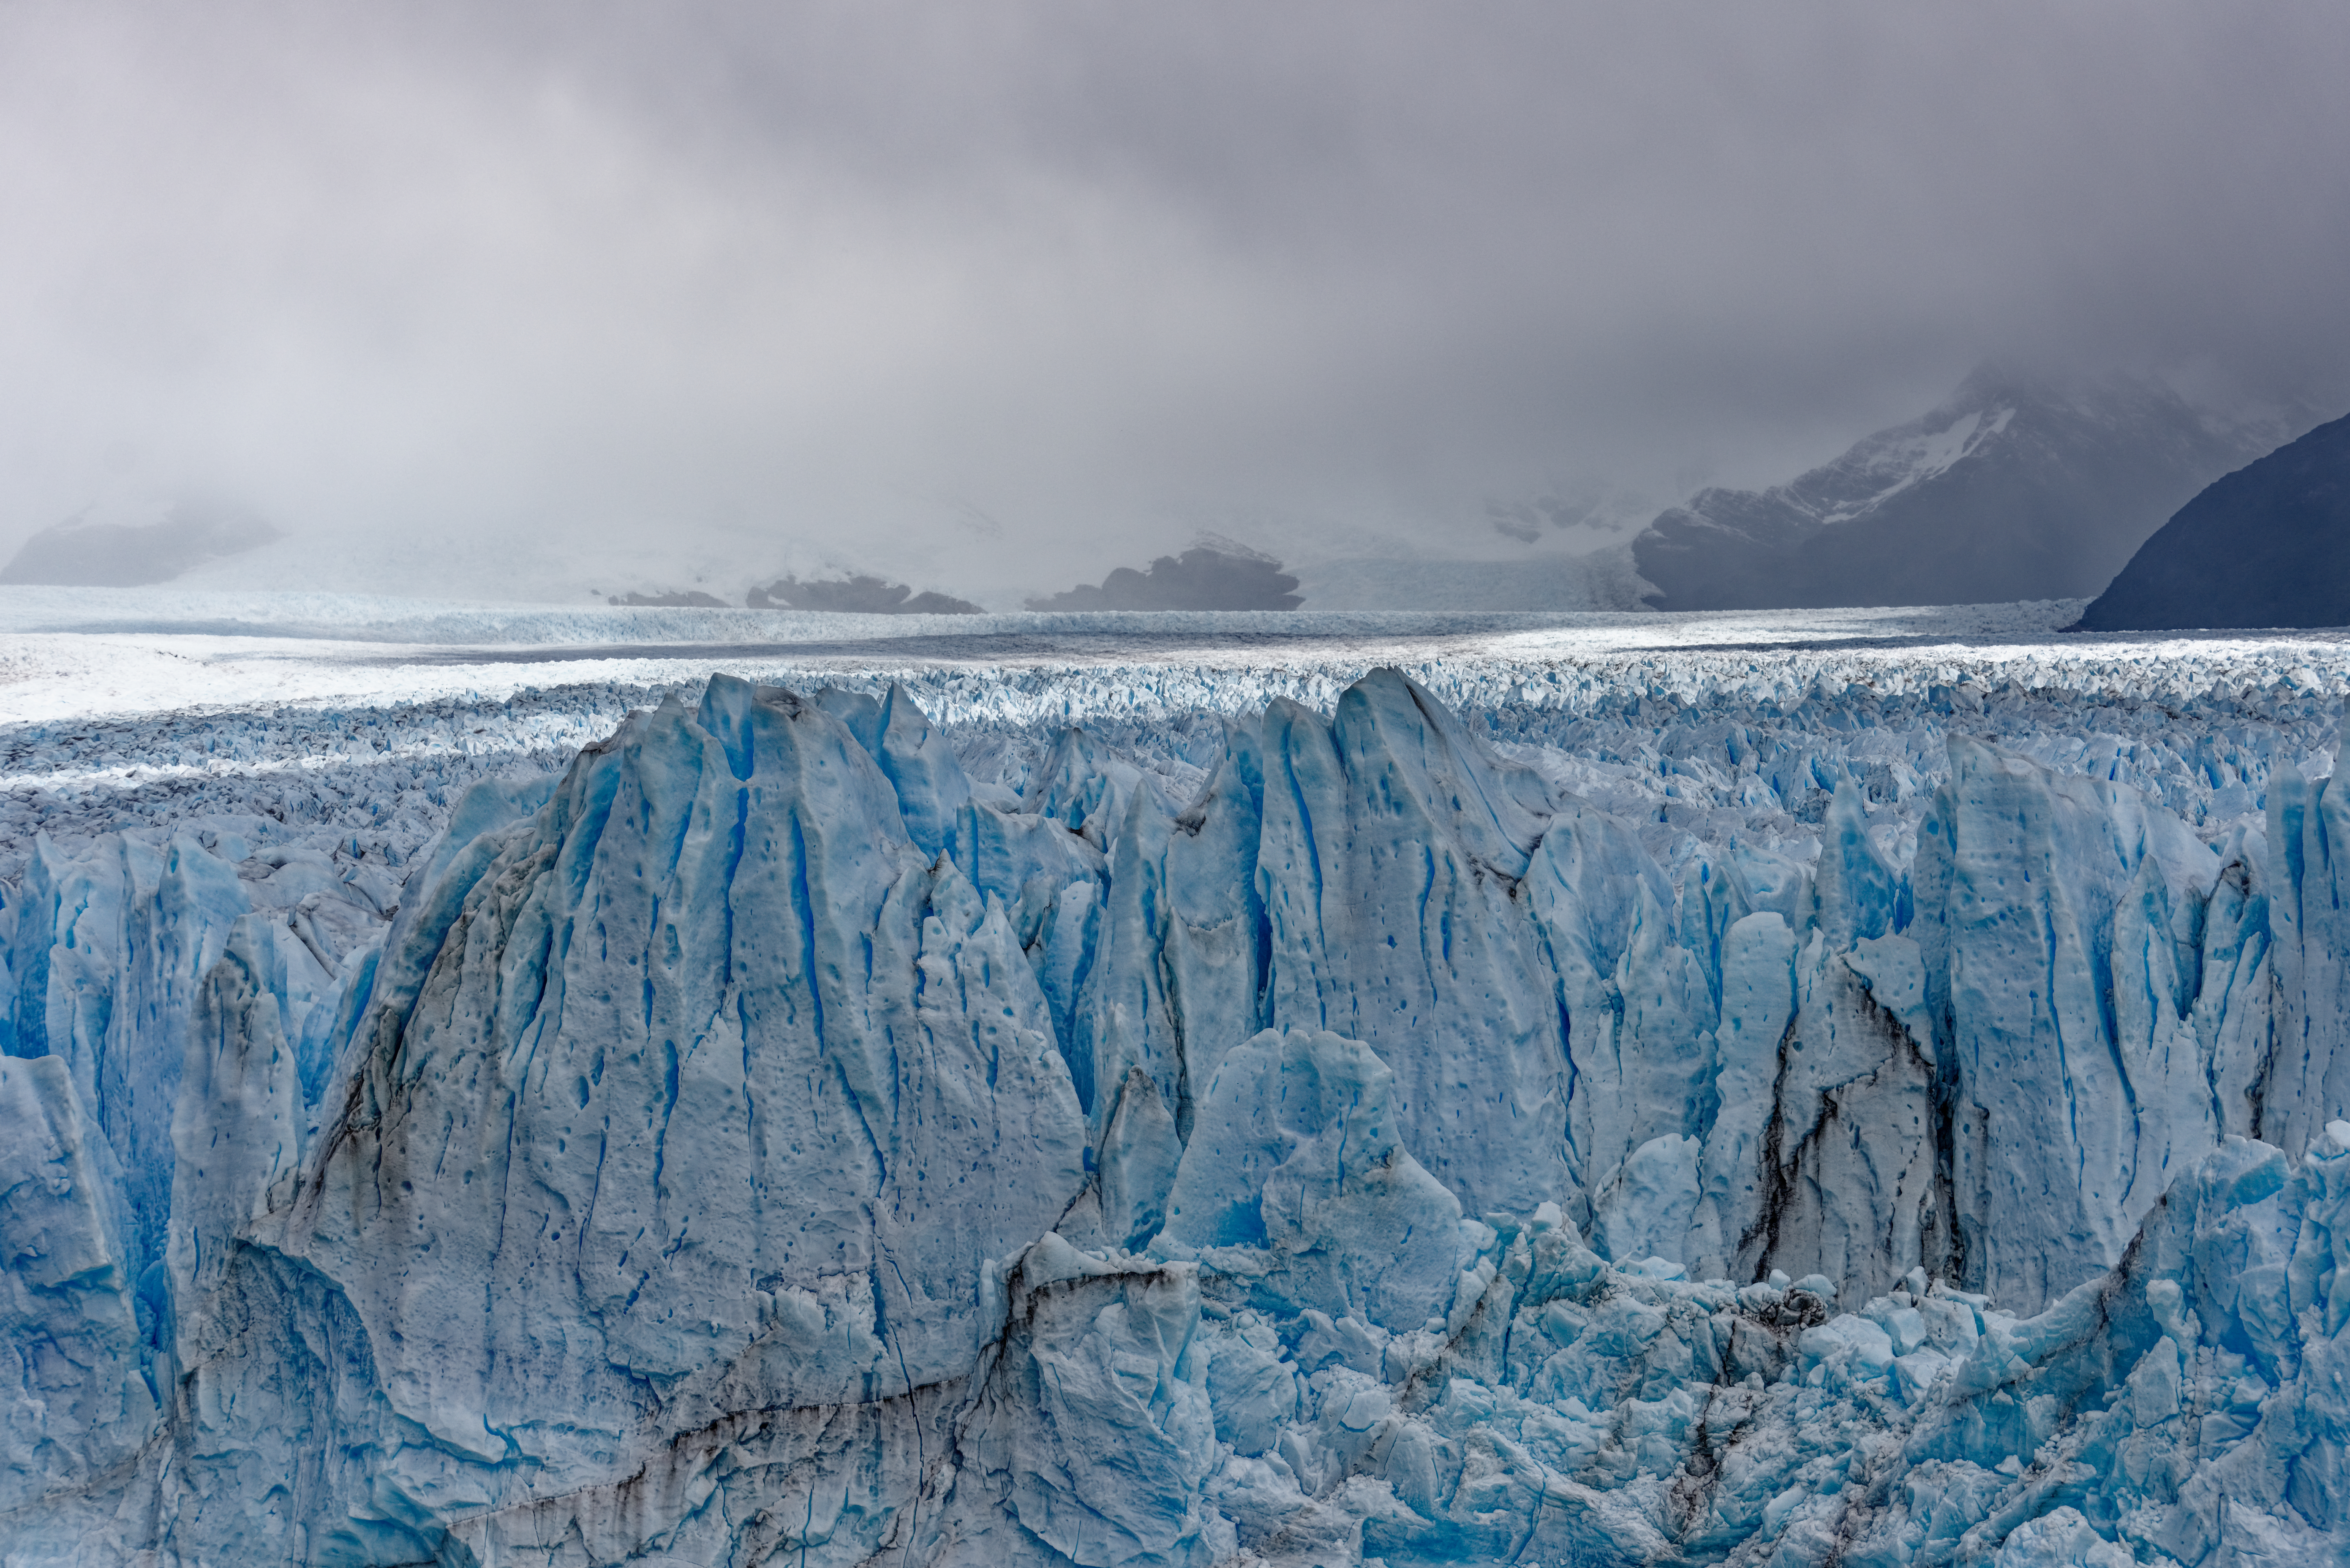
(524, 1085)
(123, 706)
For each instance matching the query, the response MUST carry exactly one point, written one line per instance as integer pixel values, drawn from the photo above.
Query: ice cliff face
(765, 1144)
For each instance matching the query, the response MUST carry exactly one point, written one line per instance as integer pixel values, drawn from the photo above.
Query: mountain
(82, 553)
(767, 1144)
(1600, 579)
(1202, 578)
(857, 594)
(2015, 488)
(687, 598)
(2267, 546)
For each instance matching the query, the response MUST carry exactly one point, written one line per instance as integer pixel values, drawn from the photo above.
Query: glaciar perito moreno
(765, 1145)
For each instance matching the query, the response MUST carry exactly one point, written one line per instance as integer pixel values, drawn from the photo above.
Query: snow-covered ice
(512, 1086)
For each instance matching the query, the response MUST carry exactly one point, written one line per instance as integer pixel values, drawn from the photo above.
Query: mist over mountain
(2267, 546)
(2016, 487)
(532, 300)
(87, 551)
(1590, 507)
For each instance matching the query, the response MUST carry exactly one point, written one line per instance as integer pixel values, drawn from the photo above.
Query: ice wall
(764, 1143)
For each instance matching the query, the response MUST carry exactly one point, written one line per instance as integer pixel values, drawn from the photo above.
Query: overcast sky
(1070, 281)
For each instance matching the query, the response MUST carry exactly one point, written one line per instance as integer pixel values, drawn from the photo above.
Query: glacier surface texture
(1820, 1126)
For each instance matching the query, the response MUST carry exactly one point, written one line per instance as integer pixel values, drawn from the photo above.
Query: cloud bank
(1025, 291)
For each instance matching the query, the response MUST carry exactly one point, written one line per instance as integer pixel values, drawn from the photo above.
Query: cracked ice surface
(1793, 1096)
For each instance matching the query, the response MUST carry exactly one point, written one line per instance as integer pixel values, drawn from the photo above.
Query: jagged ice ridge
(801, 1131)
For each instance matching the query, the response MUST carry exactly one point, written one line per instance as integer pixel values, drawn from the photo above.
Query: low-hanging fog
(484, 300)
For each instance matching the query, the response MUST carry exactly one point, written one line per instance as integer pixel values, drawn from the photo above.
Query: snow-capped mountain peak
(2015, 487)
(1915, 453)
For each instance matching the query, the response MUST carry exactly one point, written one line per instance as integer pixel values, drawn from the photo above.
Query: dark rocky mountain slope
(2267, 546)
(1202, 578)
(857, 596)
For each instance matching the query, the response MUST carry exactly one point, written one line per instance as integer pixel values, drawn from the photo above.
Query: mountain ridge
(2267, 545)
(2014, 487)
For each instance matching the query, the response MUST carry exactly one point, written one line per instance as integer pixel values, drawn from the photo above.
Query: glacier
(1458, 1116)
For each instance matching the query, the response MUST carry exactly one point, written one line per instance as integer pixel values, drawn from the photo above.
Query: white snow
(1898, 460)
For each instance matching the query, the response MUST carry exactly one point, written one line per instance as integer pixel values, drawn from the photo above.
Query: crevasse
(763, 1143)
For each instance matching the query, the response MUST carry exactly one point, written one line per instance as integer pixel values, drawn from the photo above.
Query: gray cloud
(1030, 288)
